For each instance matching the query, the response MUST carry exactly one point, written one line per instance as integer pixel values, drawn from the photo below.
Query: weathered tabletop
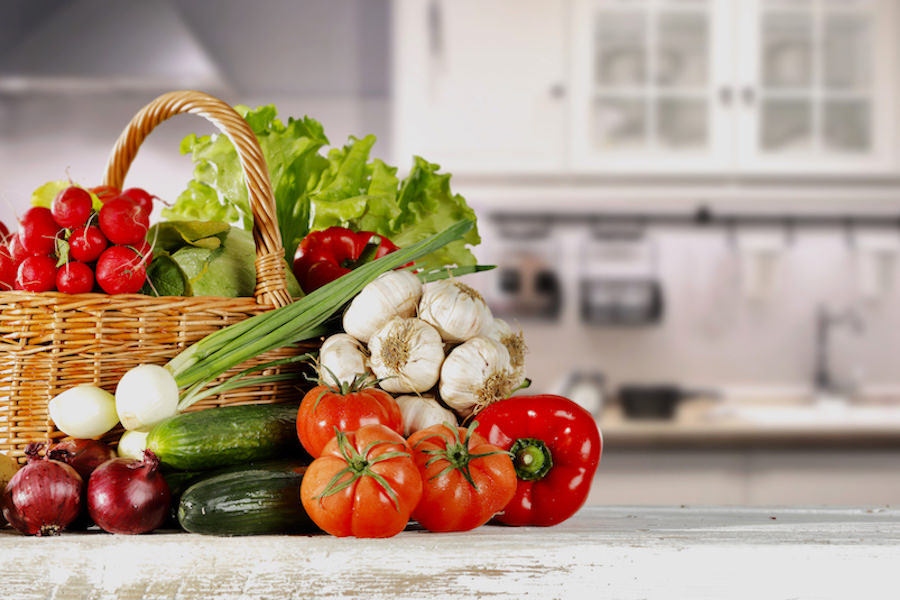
(602, 552)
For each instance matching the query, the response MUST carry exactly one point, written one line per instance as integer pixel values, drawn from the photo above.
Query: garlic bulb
(342, 357)
(457, 311)
(420, 412)
(476, 374)
(406, 355)
(392, 294)
(514, 344)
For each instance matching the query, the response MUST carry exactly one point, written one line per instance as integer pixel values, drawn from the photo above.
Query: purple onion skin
(83, 455)
(43, 497)
(128, 496)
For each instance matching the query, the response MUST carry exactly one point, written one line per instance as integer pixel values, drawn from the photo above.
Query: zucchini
(230, 435)
(254, 501)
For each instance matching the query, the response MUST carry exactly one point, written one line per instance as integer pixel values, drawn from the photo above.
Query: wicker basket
(52, 341)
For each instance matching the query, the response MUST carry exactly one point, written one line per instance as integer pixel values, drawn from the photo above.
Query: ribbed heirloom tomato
(348, 408)
(466, 480)
(364, 484)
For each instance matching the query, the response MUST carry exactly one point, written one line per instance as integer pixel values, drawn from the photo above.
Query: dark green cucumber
(230, 435)
(250, 502)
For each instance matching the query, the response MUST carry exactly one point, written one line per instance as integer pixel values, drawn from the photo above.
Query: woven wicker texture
(52, 341)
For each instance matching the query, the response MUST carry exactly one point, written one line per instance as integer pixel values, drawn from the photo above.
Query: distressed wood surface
(602, 552)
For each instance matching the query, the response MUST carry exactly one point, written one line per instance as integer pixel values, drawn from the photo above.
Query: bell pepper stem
(531, 458)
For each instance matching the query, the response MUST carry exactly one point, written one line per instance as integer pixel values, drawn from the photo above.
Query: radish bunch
(72, 248)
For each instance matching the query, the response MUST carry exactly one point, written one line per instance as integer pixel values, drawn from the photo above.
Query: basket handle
(271, 286)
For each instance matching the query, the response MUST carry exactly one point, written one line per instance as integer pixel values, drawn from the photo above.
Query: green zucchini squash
(230, 435)
(254, 501)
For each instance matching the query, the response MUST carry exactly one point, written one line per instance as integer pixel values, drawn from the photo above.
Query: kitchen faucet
(824, 382)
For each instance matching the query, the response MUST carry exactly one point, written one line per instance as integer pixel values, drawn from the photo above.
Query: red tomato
(364, 484)
(466, 480)
(323, 409)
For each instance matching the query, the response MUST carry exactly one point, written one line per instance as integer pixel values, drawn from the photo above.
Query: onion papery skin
(128, 496)
(83, 455)
(43, 497)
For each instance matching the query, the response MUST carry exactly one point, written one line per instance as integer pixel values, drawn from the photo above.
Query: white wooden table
(602, 552)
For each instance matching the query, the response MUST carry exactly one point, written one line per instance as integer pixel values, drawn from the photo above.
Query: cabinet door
(480, 86)
(651, 85)
(817, 90)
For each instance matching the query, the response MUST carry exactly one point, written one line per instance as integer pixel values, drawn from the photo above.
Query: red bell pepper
(556, 448)
(325, 255)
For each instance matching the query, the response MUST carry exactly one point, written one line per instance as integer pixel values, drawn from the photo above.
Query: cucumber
(230, 435)
(254, 501)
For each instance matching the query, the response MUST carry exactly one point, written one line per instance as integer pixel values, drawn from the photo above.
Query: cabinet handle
(748, 94)
(726, 95)
(435, 29)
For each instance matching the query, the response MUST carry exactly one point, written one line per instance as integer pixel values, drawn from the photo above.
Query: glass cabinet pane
(786, 125)
(847, 126)
(787, 50)
(619, 124)
(682, 123)
(682, 50)
(847, 51)
(620, 49)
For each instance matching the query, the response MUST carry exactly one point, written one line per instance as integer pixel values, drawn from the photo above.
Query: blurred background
(694, 205)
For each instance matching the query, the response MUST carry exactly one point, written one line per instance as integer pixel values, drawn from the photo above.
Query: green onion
(300, 320)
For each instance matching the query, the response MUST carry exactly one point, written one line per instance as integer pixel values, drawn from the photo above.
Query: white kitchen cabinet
(749, 86)
(611, 87)
(480, 86)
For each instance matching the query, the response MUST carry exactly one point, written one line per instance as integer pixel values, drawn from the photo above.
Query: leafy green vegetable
(345, 187)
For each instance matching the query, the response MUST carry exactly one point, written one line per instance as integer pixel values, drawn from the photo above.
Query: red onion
(128, 496)
(43, 497)
(83, 455)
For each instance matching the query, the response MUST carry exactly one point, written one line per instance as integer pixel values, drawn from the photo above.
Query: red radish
(128, 496)
(16, 250)
(75, 278)
(123, 221)
(43, 497)
(72, 207)
(37, 274)
(82, 455)
(106, 192)
(7, 270)
(37, 231)
(141, 197)
(145, 251)
(120, 270)
(87, 243)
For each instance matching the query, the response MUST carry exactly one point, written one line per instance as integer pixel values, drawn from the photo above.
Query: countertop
(602, 552)
(695, 425)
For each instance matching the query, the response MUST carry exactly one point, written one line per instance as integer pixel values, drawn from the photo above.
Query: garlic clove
(514, 344)
(391, 294)
(476, 374)
(342, 357)
(420, 412)
(406, 355)
(456, 310)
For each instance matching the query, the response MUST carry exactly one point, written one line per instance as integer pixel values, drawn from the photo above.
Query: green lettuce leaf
(313, 191)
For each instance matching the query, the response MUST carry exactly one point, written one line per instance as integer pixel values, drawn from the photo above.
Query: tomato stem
(531, 458)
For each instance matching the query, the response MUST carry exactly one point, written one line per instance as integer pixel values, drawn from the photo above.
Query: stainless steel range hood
(110, 45)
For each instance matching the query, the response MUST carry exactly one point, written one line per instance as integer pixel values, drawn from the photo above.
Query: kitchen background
(694, 205)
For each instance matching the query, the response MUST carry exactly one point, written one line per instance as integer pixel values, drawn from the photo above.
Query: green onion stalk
(304, 319)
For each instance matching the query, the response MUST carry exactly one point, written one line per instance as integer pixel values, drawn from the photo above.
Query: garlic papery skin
(456, 310)
(406, 356)
(476, 374)
(342, 357)
(391, 294)
(514, 344)
(420, 412)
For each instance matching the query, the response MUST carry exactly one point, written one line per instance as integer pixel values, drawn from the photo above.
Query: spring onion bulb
(84, 411)
(146, 395)
(132, 444)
